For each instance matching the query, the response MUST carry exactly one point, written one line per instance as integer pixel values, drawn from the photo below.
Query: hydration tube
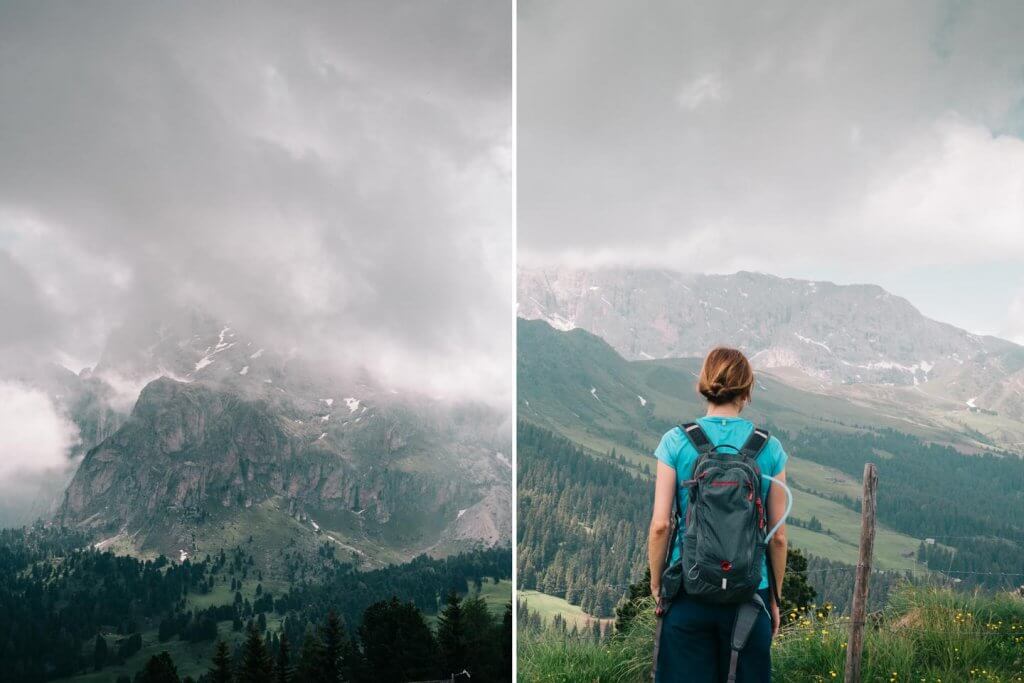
(789, 505)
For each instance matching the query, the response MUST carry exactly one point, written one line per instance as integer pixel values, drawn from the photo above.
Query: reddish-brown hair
(725, 376)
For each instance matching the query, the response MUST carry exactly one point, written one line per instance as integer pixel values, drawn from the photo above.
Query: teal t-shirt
(676, 451)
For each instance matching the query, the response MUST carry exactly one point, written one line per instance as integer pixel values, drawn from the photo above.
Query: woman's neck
(727, 410)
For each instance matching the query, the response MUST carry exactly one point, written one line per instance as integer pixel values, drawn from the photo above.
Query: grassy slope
(496, 595)
(558, 370)
(893, 550)
(274, 531)
(547, 606)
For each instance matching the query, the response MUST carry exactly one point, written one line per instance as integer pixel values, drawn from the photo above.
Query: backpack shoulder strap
(695, 433)
(757, 440)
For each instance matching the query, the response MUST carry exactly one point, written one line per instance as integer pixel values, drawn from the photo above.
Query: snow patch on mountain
(221, 346)
(924, 366)
(560, 323)
(808, 340)
(108, 542)
(221, 343)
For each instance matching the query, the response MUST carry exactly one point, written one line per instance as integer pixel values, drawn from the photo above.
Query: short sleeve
(668, 450)
(780, 457)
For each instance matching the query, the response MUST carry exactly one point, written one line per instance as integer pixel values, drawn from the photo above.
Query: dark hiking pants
(695, 644)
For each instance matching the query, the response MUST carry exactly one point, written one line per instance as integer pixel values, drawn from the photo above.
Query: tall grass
(926, 634)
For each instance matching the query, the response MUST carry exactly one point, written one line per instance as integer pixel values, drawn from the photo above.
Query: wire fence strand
(921, 571)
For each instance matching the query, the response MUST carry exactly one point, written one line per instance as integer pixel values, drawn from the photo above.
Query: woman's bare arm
(778, 545)
(661, 523)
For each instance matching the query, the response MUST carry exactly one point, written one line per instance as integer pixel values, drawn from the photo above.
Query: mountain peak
(834, 334)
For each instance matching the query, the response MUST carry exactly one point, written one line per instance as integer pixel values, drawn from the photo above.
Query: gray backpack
(723, 538)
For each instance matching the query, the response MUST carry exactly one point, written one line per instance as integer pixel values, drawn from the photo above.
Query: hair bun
(725, 376)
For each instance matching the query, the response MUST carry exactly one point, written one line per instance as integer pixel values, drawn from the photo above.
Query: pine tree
(310, 658)
(99, 652)
(628, 609)
(398, 645)
(283, 666)
(483, 638)
(159, 669)
(334, 642)
(797, 593)
(451, 635)
(506, 642)
(257, 666)
(221, 671)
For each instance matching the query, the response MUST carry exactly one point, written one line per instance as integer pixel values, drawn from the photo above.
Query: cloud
(34, 437)
(35, 447)
(21, 303)
(331, 177)
(706, 88)
(954, 194)
(1013, 325)
(124, 390)
(829, 141)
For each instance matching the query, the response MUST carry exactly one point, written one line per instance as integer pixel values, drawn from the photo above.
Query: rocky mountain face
(231, 439)
(833, 334)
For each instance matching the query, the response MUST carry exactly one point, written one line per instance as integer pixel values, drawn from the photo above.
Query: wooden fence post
(868, 506)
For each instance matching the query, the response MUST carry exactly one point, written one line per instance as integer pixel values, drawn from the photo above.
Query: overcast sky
(337, 175)
(855, 142)
(335, 179)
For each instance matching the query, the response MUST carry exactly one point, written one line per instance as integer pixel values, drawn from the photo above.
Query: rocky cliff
(244, 442)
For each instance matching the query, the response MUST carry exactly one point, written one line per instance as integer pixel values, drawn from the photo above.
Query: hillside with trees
(67, 609)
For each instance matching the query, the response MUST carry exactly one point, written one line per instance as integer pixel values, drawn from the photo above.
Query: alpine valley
(607, 362)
